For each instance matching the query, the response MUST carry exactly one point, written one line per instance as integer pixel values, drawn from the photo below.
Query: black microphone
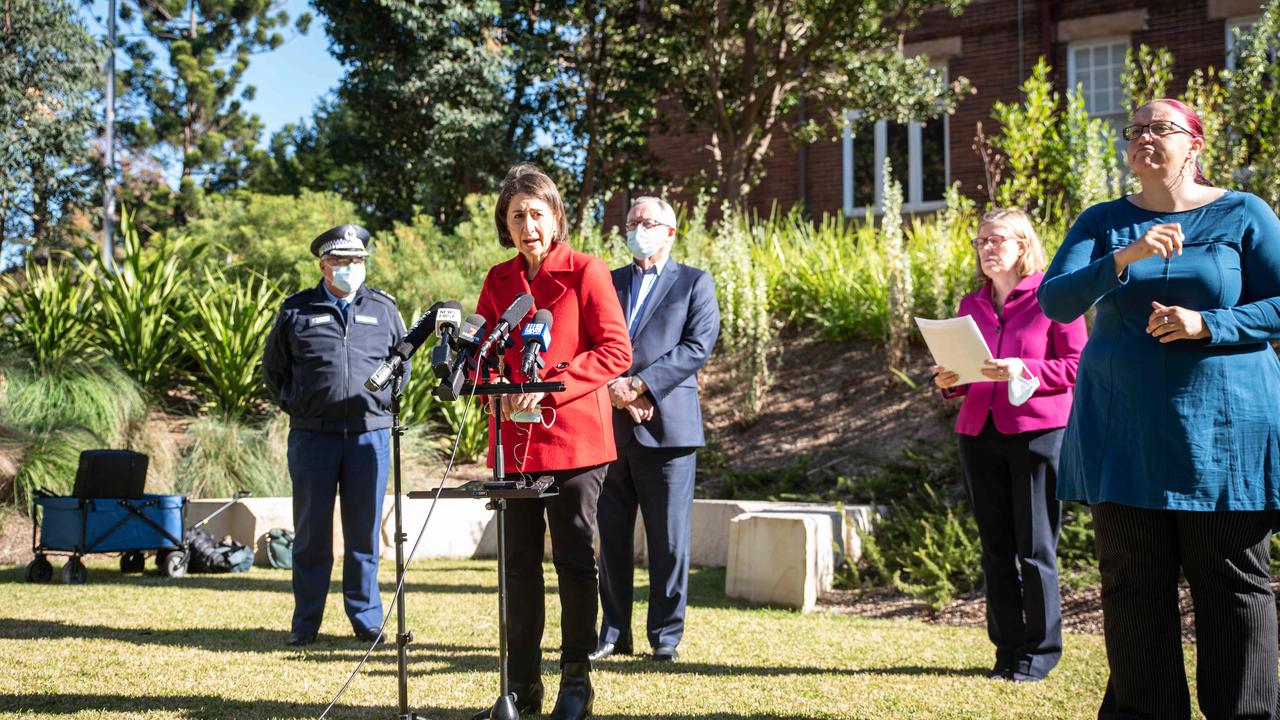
(404, 350)
(514, 314)
(537, 339)
(447, 319)
(467, 341)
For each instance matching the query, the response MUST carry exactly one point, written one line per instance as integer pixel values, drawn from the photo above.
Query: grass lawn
(213, 647)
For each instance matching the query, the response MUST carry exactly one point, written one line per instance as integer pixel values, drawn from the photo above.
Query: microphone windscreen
(518, 309)
(543, 316)
(472, 329)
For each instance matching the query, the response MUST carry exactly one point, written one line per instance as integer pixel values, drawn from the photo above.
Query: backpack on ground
(210, 556)
(280, 548)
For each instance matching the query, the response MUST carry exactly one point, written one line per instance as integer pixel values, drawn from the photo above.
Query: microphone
(537, 339)
(447, 319)
(467, 341)
(405, 349)
(514, 314)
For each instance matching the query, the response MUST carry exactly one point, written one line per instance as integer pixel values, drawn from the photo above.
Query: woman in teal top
(1174, 438)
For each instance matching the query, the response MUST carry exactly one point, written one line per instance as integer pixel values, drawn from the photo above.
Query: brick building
(995, 43)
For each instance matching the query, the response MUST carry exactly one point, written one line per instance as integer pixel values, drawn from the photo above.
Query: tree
(48, 86)
(584, 74)
(741, 69)
(419, 117)
(194, 106)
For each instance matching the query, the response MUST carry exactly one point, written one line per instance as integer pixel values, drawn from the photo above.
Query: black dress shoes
(301, 639)
(368, 635)
(605, 649)
(665, 653)
(576, 694)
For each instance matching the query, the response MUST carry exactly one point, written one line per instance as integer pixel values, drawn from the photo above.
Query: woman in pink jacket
(1010, 431)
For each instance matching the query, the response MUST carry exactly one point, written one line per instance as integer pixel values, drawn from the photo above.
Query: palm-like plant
(142, 313)
(45, 317)
(224, 337)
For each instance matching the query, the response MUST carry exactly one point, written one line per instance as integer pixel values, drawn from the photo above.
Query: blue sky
(290, 79)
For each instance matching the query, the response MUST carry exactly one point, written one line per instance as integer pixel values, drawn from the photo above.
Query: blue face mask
(348, 278)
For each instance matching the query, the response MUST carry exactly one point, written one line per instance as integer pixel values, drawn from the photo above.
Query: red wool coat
(589, 347)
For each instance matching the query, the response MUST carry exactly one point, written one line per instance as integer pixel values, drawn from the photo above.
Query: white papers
(957, 345)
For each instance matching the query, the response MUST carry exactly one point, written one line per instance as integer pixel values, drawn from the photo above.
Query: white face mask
(643, 242)
(348, 278)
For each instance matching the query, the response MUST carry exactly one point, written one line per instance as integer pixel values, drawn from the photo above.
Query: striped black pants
(1224, 556)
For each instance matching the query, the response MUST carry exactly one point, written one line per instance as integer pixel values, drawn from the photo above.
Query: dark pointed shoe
(368, 635)
(299, 639)
(665, 653)
(576, 694)
(528, 699)
(607, 649)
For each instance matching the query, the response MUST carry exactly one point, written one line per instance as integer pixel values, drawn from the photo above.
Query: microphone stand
(403, 636)
(498, 491)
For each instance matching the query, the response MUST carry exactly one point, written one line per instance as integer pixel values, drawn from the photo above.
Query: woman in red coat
(574, 441)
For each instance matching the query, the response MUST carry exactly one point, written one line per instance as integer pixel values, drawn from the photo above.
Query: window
(1096, 67)
(1240, 26)
(918, 152)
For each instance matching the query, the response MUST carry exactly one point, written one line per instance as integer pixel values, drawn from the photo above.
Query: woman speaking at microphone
(572, 441)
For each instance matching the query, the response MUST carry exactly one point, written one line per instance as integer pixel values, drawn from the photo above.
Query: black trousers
(1012, 484)
(571, 515)
(1224, 556)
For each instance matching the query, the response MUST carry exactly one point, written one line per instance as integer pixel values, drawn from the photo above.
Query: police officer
(326, 341)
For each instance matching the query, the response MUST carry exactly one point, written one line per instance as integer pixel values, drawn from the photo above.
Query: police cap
(342, 241)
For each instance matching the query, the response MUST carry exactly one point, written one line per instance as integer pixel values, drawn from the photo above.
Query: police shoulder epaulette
(384, 294)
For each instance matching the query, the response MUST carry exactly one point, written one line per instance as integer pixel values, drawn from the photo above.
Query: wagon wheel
(175, 564)
(74, 572)
(160, 556)
(39, 570)
(133, 561)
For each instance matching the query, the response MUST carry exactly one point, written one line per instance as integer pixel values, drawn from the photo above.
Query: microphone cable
(386, 615)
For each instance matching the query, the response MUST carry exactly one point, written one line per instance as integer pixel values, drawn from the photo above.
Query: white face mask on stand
(348, 278)
(643, 242)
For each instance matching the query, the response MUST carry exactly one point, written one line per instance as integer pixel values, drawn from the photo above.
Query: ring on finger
(1165, 320)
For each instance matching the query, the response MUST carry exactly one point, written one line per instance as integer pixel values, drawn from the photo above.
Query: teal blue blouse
(1188, 425)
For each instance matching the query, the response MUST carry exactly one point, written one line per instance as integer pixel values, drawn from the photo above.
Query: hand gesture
(1170, 322)
(640, 409)
(524, 402)
(1002, 368)
(1164, 240)
(943, 377)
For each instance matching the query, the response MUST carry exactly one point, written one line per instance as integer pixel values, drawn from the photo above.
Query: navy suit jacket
(673, 338)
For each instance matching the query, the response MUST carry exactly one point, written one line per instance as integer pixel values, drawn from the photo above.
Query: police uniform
(316, 361)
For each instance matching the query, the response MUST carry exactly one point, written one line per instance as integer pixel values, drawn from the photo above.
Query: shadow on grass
(209, 707)
(251, 581)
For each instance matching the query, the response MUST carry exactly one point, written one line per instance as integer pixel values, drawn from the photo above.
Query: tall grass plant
(223, 456)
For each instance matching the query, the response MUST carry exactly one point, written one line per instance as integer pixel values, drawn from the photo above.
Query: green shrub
(225, 337)
(927, 547)
(141, 307)
(224, 456)
(469, 426)
(95, 396)
(49, 462)
(44, 314)
(271, 234)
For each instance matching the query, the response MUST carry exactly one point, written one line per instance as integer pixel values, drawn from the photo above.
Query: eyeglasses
(1159, 128)
(333, 261)
(990, 240)
(648, 225)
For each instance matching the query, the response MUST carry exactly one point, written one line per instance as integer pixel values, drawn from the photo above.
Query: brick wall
(990, 59)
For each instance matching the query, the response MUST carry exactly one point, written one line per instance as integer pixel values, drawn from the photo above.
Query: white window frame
(1073, 81)
(914, 190)
(1230, 42)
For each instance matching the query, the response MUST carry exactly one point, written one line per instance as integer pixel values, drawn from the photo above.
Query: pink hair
(1191, 121)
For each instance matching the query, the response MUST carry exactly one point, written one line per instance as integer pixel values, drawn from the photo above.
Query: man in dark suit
(674, 320)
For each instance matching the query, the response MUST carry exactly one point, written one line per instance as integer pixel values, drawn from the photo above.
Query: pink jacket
(1050, 350)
